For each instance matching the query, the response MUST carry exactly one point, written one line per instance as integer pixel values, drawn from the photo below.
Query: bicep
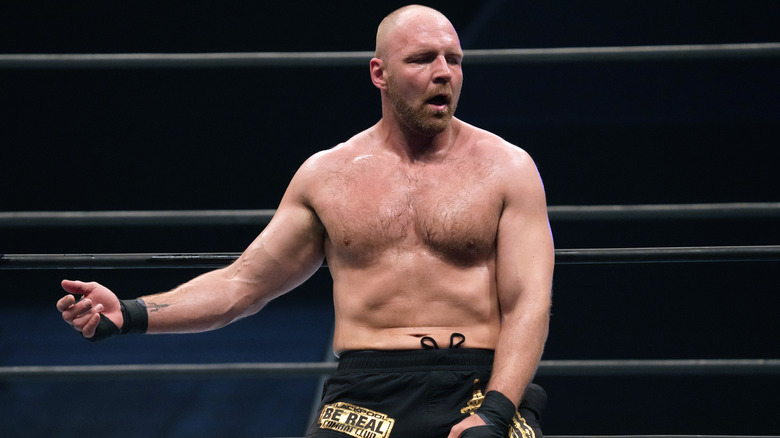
(285, 254)
(526, 255)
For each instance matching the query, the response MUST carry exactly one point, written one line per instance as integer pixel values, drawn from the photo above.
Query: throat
(418, 145)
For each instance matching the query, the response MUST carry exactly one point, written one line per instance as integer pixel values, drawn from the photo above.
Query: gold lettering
(355, 421)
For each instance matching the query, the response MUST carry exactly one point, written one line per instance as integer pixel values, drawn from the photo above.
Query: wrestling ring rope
(695, 367)
(736, 210)
(360, 58)
(219, 260)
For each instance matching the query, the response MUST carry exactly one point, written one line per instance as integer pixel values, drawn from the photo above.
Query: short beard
(421, 119)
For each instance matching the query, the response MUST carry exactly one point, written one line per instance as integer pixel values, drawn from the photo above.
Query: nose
(442, 70)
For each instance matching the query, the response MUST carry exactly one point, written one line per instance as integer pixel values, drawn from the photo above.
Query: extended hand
(84, 315)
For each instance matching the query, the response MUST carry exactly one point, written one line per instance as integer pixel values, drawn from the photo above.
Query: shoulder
(517, 177)
(320, 168)
(335, 158)
(494, 149)
(518, 182)
(332, 159)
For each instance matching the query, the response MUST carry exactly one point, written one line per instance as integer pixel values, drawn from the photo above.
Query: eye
(422, 59)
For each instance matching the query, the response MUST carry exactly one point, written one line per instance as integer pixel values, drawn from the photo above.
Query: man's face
(424, 75)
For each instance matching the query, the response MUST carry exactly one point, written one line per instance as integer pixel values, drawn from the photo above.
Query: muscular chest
(450, 210)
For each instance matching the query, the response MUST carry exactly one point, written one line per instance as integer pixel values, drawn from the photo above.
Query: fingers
(470, 422)
(87, 322)
(88, 330)
(82, 315)
(456, 431)
(74, 310)
(85, 314)
(65, 302)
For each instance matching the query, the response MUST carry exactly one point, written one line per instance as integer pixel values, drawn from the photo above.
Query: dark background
(612, 132)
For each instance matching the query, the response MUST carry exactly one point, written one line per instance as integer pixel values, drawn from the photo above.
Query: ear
(378, 73)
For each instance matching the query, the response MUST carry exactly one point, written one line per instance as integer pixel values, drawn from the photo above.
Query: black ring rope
(733, 210)
(359, 58)
(25, 219)
(770, 253)
(668, 254)
(691, 367)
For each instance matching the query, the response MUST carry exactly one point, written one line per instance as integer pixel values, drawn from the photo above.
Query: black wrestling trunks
(412, 394)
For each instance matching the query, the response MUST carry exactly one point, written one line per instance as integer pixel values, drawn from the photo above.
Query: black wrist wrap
(105, 329)
(135, 316)
(497, 410)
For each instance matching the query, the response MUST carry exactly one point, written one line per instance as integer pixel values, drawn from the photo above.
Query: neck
(414, 145)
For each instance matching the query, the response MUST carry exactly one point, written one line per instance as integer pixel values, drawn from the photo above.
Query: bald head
(403, 19)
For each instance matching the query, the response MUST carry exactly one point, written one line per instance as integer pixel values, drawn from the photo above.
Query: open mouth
(440, 101)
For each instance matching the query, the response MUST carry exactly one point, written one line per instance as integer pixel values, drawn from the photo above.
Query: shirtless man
(435, 233)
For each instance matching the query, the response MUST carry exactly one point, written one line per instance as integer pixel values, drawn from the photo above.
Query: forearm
(518, 352)
(204, 303)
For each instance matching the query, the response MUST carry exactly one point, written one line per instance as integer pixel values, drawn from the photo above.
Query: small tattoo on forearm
(154, 307)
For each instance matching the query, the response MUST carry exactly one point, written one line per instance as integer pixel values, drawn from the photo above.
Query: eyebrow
(423, 52)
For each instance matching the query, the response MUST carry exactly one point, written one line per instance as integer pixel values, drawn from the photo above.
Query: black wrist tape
(497, 410)
(105, 329)
(135, 316)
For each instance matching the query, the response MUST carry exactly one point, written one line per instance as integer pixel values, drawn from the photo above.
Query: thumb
(77, 287)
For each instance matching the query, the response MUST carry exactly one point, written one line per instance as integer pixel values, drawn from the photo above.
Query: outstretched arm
(287, 253)
(282, 257)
